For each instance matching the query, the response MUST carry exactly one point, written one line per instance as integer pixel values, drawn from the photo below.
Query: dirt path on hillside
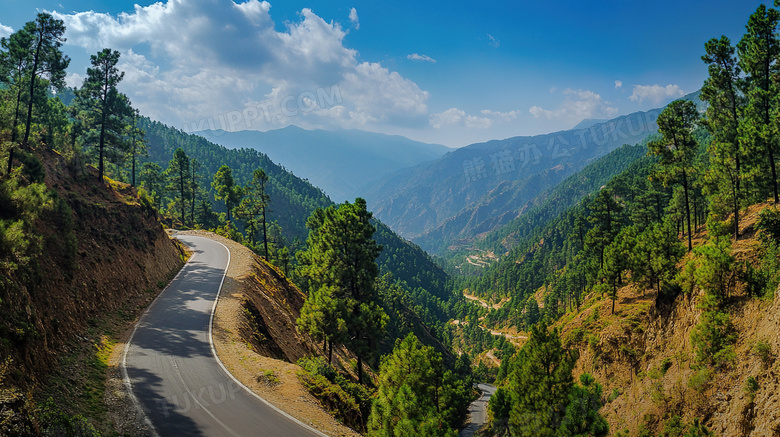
(483, 303)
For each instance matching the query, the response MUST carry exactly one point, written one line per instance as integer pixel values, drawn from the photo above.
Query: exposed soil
(251, 285)
(624, 352)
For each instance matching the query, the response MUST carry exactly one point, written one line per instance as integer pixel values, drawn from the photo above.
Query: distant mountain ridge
(341, 163)
(479, 187)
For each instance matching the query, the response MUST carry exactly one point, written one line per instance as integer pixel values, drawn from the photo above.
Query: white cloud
(618, 83)
(458, 117)
(493, 42)
(226, 56)
(5, 31)
(417, 57)
(655, 93)
(353, 17)
(74, 80)
(577, 105)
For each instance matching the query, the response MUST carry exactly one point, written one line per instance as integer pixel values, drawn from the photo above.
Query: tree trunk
(688, 211)
(32, 90)
(265, 235)
(774, 174)
(330, 352)
(181, 186)
(360, 369)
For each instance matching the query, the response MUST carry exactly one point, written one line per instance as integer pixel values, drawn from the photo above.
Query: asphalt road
(172, 369)
(478, 411)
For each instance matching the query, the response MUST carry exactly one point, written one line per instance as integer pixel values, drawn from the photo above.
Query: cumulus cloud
(459, 117)
(418, 57)
(74, 80)
(353, 17)
(618, 83)
(224, 57)
(655, 93)
(577, 105)
(493, 42)
(5, 31)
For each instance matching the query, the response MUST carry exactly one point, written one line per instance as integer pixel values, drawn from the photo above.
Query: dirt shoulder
(255, 371)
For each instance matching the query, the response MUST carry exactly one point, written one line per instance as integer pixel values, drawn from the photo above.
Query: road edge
(222, 365)
(123, 363)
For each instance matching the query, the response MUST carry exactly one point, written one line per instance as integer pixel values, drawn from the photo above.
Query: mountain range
(341, 163)
(483, 186)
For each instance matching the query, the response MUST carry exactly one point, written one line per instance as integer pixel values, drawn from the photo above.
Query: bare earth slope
(625, 351)
(256, 339)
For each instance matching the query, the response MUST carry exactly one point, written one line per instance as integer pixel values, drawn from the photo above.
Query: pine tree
(15, 60)
(677, 149)
(178, 175)
(415, 396)
(541, 384)
(107, 110)
(226, 188)
(341, 255)
(726, 105)
(47, 60)
(758, 52)
(253, 208)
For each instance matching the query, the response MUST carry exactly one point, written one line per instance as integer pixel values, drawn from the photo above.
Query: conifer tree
(341, 255)
(47, 62)
(726, 105)
(758, 52)
(541, 384)
(15, 59)
(107, 110)
(253, 208)
(415, 396)
(178, 174)
(677, 149)
(226, 188)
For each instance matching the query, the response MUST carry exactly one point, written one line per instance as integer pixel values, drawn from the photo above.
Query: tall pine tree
(677, 149)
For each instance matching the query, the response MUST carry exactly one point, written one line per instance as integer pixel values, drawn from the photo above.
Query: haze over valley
(236, 217)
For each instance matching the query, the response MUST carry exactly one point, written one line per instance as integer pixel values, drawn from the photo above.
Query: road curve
(478, 410)
(171, 367)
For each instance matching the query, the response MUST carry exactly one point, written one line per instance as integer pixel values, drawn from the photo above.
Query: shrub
(700, 381)
(763, 351)
(768, 225)
(347, 401)
(751, 387)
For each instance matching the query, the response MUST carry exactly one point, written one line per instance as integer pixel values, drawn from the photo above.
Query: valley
(321, 273)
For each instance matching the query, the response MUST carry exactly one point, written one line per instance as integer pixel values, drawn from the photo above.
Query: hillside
(503, 235)
(95, 255)
(343, 163)
(482, 186)
(645, 356)
(292, 202)
(293, 199)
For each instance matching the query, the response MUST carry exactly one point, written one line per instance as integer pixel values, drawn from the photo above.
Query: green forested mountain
(480, 187)
(342, 163)
(293, 199)
(563, 196)
(419, 287)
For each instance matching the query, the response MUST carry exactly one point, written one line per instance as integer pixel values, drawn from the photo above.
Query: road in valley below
(478, 411)
(171, 365)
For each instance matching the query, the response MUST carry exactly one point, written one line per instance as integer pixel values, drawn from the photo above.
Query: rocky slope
(644, 357)
(103, 254)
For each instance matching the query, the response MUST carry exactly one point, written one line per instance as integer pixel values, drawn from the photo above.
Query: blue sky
(446, 72)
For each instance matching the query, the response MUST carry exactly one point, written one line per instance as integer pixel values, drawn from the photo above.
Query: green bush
(751, 386)
(347, 401)
(700, 381)
(763, 350)
(768, 225)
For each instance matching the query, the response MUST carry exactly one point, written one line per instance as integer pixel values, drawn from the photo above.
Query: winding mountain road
(172, 369)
